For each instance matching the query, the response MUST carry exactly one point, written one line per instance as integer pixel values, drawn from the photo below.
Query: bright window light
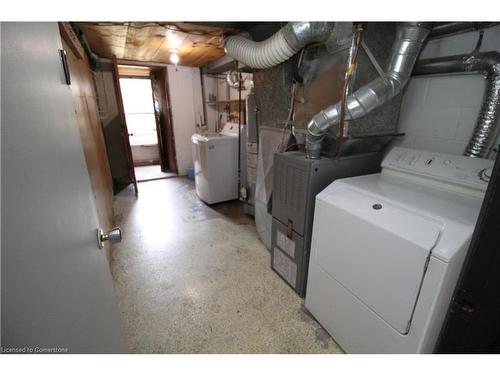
(137, 96)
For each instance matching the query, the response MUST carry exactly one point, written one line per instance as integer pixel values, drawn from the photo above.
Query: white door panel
(57, 290)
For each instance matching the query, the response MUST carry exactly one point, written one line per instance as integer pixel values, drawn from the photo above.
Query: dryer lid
(376, 249)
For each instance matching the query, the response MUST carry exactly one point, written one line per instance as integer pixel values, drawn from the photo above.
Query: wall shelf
(219, 102)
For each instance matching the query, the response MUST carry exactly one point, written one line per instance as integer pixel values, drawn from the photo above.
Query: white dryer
(215, 157)
(387, 250)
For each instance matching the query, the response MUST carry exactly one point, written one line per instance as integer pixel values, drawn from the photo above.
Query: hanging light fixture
(174, 57)
(174, 41)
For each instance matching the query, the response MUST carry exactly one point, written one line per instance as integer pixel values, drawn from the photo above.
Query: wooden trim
(69, 36)
(134, 71)
(91, 133)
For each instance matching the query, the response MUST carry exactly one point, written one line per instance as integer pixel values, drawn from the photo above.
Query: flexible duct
(279, 47)
(487, 120)
(409, 40)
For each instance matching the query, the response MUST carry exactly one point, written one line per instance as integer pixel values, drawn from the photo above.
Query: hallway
(190, 278)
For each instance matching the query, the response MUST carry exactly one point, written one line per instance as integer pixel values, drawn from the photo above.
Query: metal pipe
(376, 135)
(94, 59)
(488, 62)
(152, 64)
(410, 37)
(446, 29)
(279, 47)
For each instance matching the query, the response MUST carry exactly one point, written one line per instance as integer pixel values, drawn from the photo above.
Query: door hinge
(289, 229)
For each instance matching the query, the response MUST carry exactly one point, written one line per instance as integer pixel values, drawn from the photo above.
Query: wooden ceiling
(195, 44)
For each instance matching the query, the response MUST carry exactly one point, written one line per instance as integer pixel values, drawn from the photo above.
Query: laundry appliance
(215, 157)
(387, 250)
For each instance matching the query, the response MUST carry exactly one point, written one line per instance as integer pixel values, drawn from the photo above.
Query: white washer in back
(215, 157)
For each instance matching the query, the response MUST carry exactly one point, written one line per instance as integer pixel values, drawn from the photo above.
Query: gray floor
(196, 279)
(150, 172)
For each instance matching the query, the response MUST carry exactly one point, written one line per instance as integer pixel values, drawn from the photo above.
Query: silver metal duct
(409, 40)
(489, 114)
(279, 47)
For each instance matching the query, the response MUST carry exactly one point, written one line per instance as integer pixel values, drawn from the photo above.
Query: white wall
(211, 87)
(219, 88)
(187, 107)
(438, 113)
(145, 154)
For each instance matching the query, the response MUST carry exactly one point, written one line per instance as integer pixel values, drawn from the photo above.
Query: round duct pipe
(279, 47)
(410, 37)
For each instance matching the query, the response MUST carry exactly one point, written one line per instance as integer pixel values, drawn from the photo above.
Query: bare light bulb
(174, 58)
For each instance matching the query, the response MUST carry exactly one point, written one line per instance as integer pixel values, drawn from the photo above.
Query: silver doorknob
(113, 236)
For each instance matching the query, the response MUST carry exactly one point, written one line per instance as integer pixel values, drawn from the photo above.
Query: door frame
(159, 81)
(161, 151)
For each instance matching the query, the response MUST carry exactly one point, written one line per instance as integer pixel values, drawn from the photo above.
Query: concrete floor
(191, 278)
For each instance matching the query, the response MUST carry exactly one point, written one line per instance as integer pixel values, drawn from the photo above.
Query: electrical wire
(353, 57)
(291, 108)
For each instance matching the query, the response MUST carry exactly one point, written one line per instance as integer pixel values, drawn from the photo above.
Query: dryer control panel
(456, 169)
(230, 129)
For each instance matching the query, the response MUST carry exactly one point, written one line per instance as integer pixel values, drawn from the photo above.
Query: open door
(125, 132)
(164, 118)
(57, 289)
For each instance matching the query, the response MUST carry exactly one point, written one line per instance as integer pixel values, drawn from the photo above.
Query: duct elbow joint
(299, 34)
(313, 146)
(316, 130)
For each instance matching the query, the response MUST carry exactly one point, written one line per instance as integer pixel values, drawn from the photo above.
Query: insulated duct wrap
(409, 40)
(488, 116)
(279, 47)
(488, 62)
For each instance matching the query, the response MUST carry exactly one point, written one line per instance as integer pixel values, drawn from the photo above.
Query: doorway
(141, 115)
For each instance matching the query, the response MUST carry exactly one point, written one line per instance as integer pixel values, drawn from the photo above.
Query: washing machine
(215, 157)
(387, 250)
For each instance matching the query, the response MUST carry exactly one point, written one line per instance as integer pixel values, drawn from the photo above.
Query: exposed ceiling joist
(196, 44)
